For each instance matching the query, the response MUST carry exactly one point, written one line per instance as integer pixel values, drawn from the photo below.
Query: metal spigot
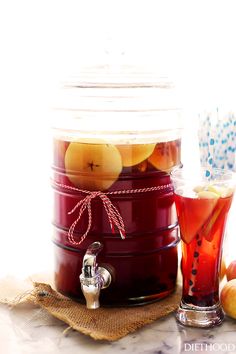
(93, 278)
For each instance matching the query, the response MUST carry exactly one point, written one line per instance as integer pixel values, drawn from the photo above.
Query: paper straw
(217, 141)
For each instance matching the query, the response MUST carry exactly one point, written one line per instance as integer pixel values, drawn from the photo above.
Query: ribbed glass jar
(116, 138)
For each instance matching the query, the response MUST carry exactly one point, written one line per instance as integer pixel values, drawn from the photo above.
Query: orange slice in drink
(192, 214)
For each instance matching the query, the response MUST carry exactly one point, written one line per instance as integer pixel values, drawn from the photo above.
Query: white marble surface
(28, 330)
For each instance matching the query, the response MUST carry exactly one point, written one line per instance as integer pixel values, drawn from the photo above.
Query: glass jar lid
(123, 101)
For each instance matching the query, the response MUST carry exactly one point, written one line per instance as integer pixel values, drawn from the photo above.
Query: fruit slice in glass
(193, 214)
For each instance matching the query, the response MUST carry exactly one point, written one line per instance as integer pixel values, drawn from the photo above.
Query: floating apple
(59, 150)
(228, 298)
(92, 164)
(231, 271)
(165, 156)
(133, 154)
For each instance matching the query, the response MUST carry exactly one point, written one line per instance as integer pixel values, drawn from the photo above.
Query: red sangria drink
(202, 208)
(120, 195)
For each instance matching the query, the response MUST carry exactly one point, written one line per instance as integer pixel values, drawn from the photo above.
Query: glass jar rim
(183, 173)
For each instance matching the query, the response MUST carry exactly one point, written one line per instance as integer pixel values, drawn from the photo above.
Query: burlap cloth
(103, 323)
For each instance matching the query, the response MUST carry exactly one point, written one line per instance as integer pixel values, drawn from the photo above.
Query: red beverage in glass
(144, 264)
(202, 205)
(202, 242)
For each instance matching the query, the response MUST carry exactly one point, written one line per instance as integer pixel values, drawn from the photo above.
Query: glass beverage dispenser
(116, 138)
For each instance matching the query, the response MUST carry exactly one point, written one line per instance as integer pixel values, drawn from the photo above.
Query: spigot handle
(89, 269)
(93, 278)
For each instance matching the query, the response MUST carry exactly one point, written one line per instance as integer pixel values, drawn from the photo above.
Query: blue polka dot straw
(217, 141)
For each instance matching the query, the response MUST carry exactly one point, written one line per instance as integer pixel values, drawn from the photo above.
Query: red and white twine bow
(113, 214)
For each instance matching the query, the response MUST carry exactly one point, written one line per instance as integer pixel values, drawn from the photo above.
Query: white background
(42, 42)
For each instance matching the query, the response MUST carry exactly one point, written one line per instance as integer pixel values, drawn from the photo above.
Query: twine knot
(113, 214)
(114, 217)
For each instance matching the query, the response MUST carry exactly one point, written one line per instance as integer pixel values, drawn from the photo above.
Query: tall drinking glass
(202, 205)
